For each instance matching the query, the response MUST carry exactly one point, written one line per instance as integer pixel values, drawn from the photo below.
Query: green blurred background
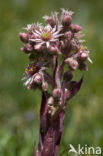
(19, 107)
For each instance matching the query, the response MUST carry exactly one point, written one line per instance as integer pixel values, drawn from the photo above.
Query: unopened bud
(52, 20)
(83, 56)
(75, 28)
(38, 78)
(50, 100)
(23, 37)
(73, 64)
(44, 86)
(66, 20)
(54, 50)
(27, 48)
(57, 92)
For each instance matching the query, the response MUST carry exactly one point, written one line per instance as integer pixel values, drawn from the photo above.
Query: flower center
(46, 36)
(30, 69)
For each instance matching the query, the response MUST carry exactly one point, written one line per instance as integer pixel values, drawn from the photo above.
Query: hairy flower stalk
(59, 48)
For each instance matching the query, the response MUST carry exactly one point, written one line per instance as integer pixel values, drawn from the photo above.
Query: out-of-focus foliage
(19, 107)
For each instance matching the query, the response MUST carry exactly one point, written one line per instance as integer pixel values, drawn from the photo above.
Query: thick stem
(51, 129)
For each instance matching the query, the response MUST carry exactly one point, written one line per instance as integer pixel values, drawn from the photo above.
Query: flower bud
(52, 20)
(66, 20)
(54, 50)
(50, 100)
(44, 86)
(57, 92)
(27, 48)
(73, 64)
(38, 78)
(75, 28)
(23, 37)
(83, 55)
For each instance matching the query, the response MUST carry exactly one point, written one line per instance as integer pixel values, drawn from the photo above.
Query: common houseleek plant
(55, 51)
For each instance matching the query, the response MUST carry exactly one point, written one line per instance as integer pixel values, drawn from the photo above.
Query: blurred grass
(19, 108)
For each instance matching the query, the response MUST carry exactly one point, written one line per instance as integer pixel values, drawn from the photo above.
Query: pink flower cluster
(58, 37)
